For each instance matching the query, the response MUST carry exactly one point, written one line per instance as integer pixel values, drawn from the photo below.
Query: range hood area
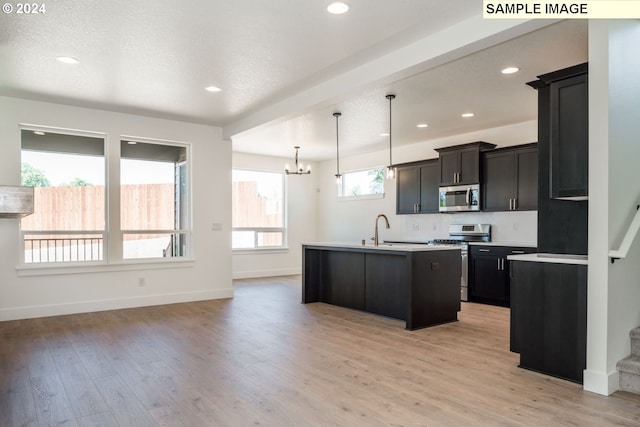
(15, 201)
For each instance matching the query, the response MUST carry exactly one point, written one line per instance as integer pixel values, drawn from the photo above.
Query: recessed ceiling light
(468, 115)
(39, 132)
(510, 70)
(422, 125)
(68, 60)
(338, 8)
(131, 142)
(384, 134)
(212, 89)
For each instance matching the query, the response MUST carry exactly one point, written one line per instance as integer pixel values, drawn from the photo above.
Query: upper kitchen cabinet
(563, 210)
(510, 179)
(568, 111)
(460, 164)
(417, 187)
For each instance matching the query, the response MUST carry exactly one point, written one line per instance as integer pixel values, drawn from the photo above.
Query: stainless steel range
(462, 234)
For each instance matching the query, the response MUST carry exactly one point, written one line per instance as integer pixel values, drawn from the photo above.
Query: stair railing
(623, 250)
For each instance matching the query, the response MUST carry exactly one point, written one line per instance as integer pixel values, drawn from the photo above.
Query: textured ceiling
(155, 58)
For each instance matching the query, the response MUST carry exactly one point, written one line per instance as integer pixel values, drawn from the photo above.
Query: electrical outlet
(416, 226)
(141, 281)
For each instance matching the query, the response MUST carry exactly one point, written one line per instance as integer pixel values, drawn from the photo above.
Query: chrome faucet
(375, 236)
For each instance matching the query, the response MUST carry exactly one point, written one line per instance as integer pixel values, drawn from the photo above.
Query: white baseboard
(265, 273)
(31, 312)
(601, 383)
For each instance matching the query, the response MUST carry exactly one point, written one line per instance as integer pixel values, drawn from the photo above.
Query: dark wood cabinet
(345, 279)
(489, 273)
(417, 187)
(570, 138)
(549, 317)
(461, 164)
(510, 179)
(562, 224)
(420, 287)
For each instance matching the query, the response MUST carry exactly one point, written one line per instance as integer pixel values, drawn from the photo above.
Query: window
(154, 214)
(69, 224)
(362, 183)
(68, 173)
(258, 210)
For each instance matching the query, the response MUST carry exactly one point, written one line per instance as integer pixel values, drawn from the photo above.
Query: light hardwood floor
(262, 358)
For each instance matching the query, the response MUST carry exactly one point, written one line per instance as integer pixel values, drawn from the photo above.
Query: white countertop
(398, 247)
(553, 258)
(507, 244)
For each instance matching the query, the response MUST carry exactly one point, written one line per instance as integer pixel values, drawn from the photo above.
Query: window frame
(188, 231)
(284, 229)
(369, 196)
(112, 239)
(104, 232)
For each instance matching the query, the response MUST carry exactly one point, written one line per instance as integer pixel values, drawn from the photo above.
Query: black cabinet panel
(417, 187)
(407, 189)
(511, 179)
(562, 224)
(527, 179)
(498, 185)
(344, 279)
(489, 273)
(386, 279)
(569, 137)
(549, 317)
(449, 167)
(429, 186)
(461, 164)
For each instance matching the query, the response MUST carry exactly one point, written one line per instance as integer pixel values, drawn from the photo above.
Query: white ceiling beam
(456, 41)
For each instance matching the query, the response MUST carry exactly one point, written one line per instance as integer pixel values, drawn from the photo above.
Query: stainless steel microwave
(460, 198)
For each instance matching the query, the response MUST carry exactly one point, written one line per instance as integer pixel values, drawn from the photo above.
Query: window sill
(260, 251)
(46, 270)
(362, 197)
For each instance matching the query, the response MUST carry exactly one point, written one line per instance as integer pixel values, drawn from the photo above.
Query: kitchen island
(419, 284)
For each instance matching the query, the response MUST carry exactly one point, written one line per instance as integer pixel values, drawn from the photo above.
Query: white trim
(361, 197)
(267, 273)
(30, 312)
(601, 383)
(260, 251)
(46, 269)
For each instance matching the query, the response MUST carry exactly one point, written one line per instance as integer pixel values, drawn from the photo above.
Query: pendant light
(299, 168)
(391, 170)
(338, 175)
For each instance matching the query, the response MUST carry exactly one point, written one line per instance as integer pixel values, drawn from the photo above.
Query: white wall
(614, 192)
(353, 220)
(302, 208)
(28, 293)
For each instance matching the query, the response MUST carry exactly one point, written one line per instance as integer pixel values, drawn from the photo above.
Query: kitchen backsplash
(507, 227)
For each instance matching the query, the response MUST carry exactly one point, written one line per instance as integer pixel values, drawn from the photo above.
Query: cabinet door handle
(517, 252)
(498, 264)
(484, 250)
(502, 264)
(515, 204)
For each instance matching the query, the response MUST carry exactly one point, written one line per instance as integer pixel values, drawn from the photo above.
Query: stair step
(635, 341)
(630, 364)
(629, 369)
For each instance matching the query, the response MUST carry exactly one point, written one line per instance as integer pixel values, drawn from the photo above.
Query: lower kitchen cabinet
(345, 280)
(549, 317)
(421, 287)
(489, 273)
